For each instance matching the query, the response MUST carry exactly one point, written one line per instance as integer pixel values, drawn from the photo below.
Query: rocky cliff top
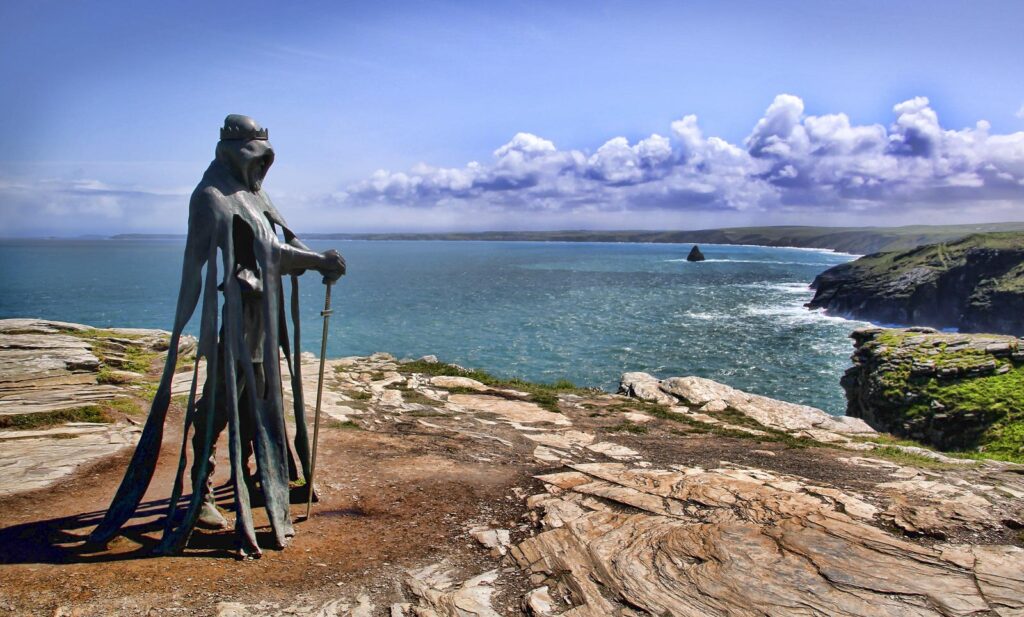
(975, 284)
(955, 391)
(450, 492)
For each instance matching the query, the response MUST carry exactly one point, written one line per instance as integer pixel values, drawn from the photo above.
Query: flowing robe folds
(229, 223)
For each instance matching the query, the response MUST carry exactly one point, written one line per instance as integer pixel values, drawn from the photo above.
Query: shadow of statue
(64, 540)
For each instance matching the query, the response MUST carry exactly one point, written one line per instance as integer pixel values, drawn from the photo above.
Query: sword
(326, 314)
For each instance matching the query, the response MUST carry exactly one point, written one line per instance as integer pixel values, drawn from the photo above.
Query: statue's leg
(246, 417)
(209, 516)
(253, 322)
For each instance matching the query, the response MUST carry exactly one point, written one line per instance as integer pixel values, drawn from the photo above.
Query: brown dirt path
(387, 503)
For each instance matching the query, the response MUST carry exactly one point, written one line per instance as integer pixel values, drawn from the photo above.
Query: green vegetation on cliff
(958, 392)
(975, 284)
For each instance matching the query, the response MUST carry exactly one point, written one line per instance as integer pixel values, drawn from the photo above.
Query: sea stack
(695, 254)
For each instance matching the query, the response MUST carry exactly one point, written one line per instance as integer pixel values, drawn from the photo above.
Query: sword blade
(326, 313)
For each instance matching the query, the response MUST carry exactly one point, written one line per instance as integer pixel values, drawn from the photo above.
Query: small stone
(231, 609)
(539, 602)
(450, 381)
(716, 406)
(999, 349)
(390, 398)
(496, 539)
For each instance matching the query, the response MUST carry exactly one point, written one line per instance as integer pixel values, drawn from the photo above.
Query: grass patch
(107, 375)
(544, 395)
(138, 360)
(358, 395)
(128, 406)
(902, 457)
(982, 415)
(184, 363)
(27, 421)
(998, 402)
(147, 391)
(103, 333)
(628, 427)
(416, 397)
(435, 369)
(107, 344)
(347, 425)
(886, 439)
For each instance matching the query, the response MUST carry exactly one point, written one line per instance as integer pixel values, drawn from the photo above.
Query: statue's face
(259, 156)
(249, 160)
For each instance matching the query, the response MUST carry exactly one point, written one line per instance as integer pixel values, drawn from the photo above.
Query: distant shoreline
(850, 240)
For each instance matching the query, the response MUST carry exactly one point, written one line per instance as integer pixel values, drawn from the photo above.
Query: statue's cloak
(224, 217)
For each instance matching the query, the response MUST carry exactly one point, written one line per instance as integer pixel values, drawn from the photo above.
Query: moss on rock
(953, 391)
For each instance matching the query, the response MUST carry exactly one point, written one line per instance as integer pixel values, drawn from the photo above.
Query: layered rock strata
(740, 541)
(52, 374)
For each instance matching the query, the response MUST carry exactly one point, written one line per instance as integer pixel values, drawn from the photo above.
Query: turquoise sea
(538, 310)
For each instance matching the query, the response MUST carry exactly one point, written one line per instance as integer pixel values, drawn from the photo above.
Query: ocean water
(542, 311)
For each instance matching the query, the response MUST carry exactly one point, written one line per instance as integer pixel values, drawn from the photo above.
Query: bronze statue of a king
(233, 233)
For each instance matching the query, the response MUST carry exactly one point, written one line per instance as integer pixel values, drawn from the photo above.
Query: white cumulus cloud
(790, 162)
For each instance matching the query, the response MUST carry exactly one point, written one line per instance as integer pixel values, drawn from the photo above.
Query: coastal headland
(448, 491)
(973, 284)
(856, 240)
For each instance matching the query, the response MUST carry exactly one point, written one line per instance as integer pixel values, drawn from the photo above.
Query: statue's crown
(237, 126)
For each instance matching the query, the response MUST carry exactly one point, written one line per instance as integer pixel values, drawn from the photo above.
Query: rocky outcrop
(706, 397)
(695, 254)
(67, 396)
(975, 284)
(450, 493)
(953, 391)
(741, 541)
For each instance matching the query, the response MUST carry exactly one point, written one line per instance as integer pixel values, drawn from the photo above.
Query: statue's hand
(333, 267)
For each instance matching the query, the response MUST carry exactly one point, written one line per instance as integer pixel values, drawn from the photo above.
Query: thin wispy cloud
(87, 206)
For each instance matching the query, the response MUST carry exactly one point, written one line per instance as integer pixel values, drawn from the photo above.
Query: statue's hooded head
(245, 150)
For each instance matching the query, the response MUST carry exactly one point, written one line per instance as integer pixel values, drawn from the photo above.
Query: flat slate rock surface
(52, 371)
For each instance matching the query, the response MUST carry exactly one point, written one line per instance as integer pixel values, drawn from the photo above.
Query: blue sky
(517, 115)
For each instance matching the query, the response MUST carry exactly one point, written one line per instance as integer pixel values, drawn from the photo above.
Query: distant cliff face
(953, 391)
(975, 285)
